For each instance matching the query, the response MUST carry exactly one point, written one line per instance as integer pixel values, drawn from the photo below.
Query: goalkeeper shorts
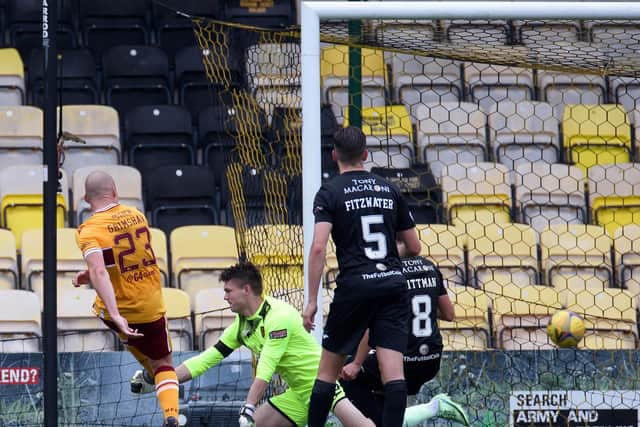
(294, 406)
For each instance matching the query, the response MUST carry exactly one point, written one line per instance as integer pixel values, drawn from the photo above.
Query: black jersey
(425, 286)
(366, 212)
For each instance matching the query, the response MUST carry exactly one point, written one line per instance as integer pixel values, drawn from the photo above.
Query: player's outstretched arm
(446, 310)
(317, 255)
(351, 370)
(408, 243)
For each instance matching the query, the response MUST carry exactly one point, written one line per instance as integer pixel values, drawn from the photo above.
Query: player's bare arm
(351, 370)
(321, 233)
(99, 277)
(408, 243)
(446, 310)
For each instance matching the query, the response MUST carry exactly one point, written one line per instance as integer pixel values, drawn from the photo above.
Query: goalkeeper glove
(246, 415)
(141, 383)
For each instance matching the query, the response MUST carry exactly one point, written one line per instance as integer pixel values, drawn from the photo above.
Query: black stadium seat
(78, 79)
(109, 23)
(261, 13)
(180, 195)
(158, 135)
(134, 76)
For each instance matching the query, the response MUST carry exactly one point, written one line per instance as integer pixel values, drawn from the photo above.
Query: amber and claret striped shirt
(121, 234)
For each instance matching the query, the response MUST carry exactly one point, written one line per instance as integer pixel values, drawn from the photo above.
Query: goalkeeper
(273, 331)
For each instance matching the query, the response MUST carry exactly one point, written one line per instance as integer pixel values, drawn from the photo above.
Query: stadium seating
(576, 257)
(476, 194)
(505, 255)
(136, 75)
(99, 127)
(625, 91)
(160, 252)
(523, 132)
(178, 318)
(549, 194)
(20, 136)
(198, 254)
(614, 195)
(419, 187)
(128, 184)
(212, 315)
(449, 133)
(609, 316)
(334, 73)
(444, 246)
(521, 315)
(488, 84)
(470, 329)
(626, 241)
(618, 35)
(529, 32)
(112, 23)
(77, 82)
(180, 195)
(270, 65)
(159, 135)
(175, 31)
(277, 249)
(264, 13)
(468, 32)
(12, 87)
(19, 322)
(560, 89)
(8, 261)
(69, 260)
(596, 134)
(389, 136)
(21, 200)
(420, 80)
(79, 329)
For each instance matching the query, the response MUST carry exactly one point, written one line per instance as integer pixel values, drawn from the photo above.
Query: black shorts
(386, 317)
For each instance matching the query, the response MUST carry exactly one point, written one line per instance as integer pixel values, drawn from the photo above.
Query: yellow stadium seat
(179, 318)
(212, 315)
(159, 246)
(21, 130)
(444, 245)
(609, 316)
(596, 134)
(19, 322)
(8, 261)
(334, 72)
(521, 315)
(69, 259)
(12, 89)
(576, 257)
(128, 182)
(21, 201)
(79, 329)
(389, 136)
(198, 254)
(614, 195)
(99, 126)
(476, 194)
(470, 329)
(626, 241)
(505, 254)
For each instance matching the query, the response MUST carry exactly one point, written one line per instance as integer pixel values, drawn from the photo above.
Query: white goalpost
(312, 12)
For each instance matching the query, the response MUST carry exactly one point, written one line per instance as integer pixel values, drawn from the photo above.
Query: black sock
(395, 402)
(320, 403)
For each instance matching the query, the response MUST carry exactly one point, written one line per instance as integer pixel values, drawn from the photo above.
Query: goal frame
(311, 12)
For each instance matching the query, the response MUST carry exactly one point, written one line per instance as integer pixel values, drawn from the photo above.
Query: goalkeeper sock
(415, 415)
(395, 402)
(320, 402)
(167, 390)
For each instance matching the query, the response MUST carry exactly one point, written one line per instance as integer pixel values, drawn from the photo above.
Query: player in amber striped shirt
(116, 244)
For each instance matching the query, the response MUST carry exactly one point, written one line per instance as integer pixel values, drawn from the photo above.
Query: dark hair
(246, 273)
(349, 143)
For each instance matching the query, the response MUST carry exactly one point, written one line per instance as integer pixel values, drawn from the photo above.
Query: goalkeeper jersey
(275, 334)
(121, 235)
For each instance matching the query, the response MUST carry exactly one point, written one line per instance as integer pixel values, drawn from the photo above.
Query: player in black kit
(372, 227)
(428, 301)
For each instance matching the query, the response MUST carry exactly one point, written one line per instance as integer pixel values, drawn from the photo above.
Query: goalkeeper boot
(171, 422)
(450, 410)
(141, 383)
